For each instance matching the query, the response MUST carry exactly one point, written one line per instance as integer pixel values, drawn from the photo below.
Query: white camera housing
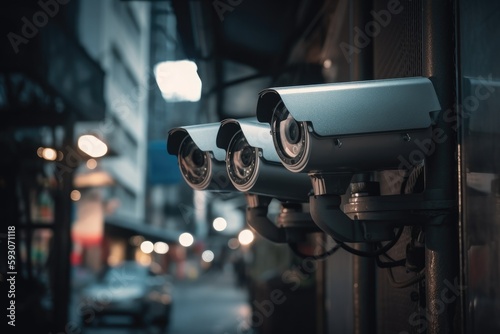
(201, 162)
(349, 127)
(253, 165)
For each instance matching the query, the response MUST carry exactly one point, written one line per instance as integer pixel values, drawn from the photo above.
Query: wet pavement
(212, 304)
(216, 306)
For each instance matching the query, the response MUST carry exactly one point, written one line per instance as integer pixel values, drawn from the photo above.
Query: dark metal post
(62, 240)
(364, 281)
(441, 235)
(441, 275)
(362, 62)
(321, 312)
(364, 293)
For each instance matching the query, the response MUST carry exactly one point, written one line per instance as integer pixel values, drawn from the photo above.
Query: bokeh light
(245, 237)
(219, 224)
(186, 239)
(91, 163)
(92, 145)
(49, 154)
(233, 243)
(147, 247)
(75, 195)
(161, 247)
(207, 256)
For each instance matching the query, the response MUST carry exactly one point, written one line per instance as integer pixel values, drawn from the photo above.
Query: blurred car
(132, 290)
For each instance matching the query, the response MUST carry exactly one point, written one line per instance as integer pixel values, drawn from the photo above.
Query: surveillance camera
(203, 167)
(253, 165)
(348, 127)
(333, 131)
(201, 162)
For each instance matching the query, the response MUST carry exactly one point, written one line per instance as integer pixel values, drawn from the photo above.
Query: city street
(211, 304)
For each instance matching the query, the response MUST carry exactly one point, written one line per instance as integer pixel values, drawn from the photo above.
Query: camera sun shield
(201, 162)
(348, 127)
(253, 165)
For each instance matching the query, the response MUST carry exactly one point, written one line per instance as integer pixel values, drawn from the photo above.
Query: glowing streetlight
(186, 239)
(92, 146)
(245, 237)
(219, 224)
(178, 80)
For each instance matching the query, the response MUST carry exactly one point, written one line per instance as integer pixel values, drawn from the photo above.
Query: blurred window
(125, 81)
(120, 137)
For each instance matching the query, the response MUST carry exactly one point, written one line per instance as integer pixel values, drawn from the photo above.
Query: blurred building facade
(116, 34)
(71, 69)
(49, 82)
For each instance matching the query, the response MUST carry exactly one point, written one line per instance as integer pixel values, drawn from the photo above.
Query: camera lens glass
(292, 130)
(193, 162)
(198, 157)
(288, 134)
(242, 159)
(246, 156)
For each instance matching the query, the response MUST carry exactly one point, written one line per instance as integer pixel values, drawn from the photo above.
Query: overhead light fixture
(178, 80)
(92, 146)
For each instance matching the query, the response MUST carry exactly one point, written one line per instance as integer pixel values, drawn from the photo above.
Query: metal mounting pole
(442, 251)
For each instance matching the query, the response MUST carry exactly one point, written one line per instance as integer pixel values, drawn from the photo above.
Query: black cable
(391, 264)
(294, 248)
(387, 256)
(375, 253)
(404, 284)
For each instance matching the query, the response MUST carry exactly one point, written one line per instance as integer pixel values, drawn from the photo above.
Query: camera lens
(242, 160)
(194, 164)
(198, 157)
(247, 156)
(292, 131)
(288, 134)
